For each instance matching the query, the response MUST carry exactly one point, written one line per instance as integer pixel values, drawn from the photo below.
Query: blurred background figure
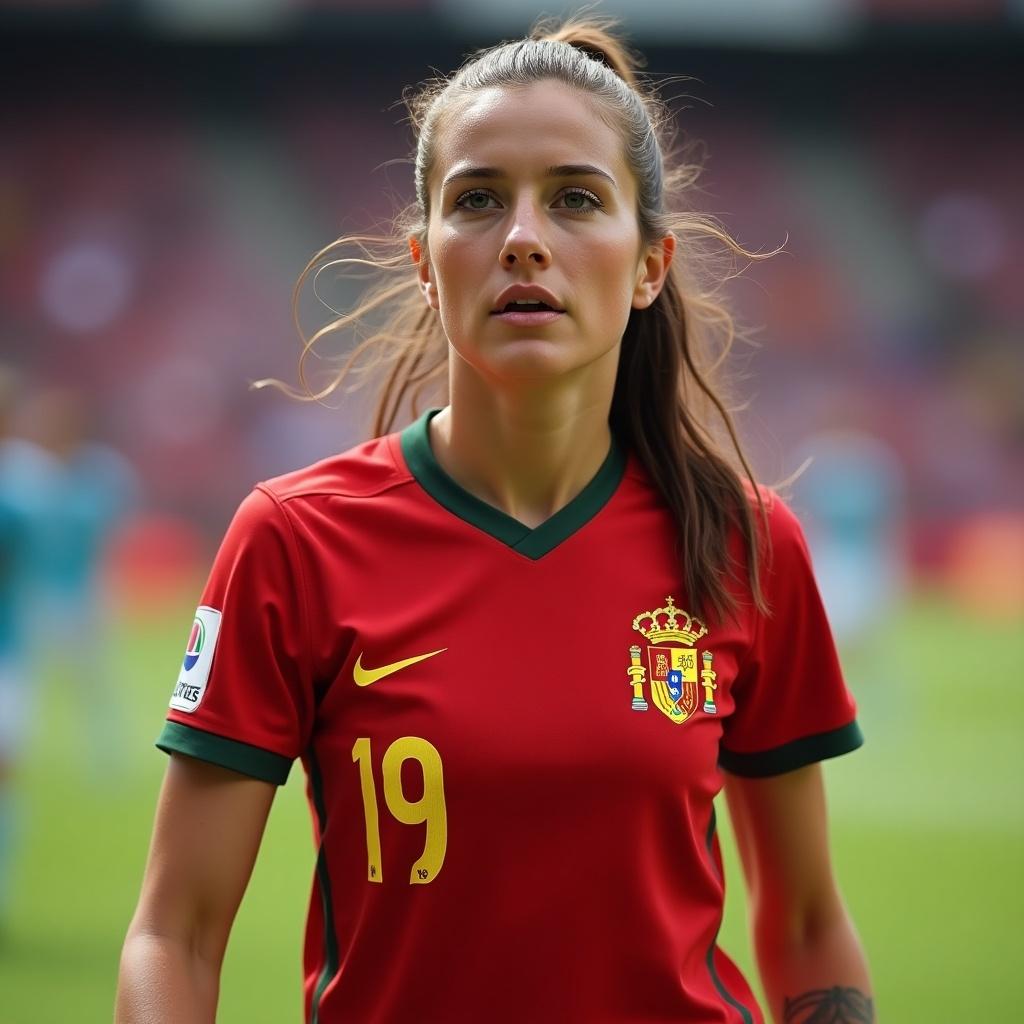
(86, 491)
(852, 503)
(23, 483)
(12, 668)
(61, 497)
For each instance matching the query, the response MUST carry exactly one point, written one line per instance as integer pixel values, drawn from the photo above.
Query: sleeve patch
(195, 667)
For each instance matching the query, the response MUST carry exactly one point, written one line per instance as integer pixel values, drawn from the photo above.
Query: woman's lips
(531, 319)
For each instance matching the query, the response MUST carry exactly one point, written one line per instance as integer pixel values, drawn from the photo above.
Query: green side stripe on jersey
(709, 839)
(533, 543)
(791, 756)
(744, 1013)
(330, 967)
(239, 757)
(710, 959)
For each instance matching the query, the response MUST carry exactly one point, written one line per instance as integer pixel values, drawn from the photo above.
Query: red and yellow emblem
(674, 669)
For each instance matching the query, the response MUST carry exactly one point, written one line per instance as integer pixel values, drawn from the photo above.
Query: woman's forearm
(162, 981)
(816, 971)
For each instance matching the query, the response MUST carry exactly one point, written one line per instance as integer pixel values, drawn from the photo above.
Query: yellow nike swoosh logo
(365, 676)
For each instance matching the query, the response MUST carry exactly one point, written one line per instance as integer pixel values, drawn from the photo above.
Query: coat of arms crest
(675, 670)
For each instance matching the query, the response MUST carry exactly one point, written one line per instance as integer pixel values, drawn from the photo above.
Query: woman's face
(530, 191)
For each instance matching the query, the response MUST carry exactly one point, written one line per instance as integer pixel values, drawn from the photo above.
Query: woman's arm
(209, 824)
(811, 962)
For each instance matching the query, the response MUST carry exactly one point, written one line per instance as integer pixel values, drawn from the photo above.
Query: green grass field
(927, 819)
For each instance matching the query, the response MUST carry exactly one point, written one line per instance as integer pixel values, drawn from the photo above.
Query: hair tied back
(593, 36)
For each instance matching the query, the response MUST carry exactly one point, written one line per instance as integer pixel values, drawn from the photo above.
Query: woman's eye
(474, 200)
(580, 199)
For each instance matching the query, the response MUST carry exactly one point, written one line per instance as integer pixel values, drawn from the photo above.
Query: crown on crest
(664, 625)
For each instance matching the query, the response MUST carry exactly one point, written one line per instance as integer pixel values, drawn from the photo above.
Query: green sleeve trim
(239, 757)
(791, 756)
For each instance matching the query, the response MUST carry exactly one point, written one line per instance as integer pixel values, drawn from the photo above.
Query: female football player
(523, 643)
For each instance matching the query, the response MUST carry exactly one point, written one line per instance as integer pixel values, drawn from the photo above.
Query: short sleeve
(243, 698)
(792, 706)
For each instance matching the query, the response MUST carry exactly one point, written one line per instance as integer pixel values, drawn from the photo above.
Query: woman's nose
(524, 243)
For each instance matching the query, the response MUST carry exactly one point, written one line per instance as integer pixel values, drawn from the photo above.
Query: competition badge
(671, 668)
(195, 666)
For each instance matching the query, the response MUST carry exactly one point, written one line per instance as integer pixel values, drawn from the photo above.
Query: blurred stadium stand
(168, 167)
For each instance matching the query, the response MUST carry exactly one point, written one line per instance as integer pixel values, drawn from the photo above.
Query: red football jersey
(512, 736)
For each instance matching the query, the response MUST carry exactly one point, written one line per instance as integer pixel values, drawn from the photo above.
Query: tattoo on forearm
(829, 1006)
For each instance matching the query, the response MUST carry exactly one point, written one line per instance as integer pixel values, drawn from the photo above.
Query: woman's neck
(523, 452)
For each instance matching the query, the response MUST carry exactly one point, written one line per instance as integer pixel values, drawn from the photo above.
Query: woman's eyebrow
(557, 171)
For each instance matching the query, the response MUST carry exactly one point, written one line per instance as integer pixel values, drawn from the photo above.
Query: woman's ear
(424, 272)
(652, 271)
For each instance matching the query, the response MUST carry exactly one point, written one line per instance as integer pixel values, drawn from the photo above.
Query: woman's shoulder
(771, 510)
(367, 469)
(774, 521)
(272, 509)
(782, 551)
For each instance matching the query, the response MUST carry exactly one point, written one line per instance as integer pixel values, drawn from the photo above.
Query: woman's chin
(537, 359)
(524, 358)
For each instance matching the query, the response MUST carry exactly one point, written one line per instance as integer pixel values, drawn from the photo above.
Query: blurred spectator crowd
(149, 241)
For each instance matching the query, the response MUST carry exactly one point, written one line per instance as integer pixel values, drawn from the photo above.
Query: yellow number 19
(429, 808)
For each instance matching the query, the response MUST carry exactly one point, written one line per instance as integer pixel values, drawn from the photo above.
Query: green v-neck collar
(532, 542)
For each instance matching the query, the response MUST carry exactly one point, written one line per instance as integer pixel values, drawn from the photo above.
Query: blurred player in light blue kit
(26, 480)
(89, 489)
(853, 496)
